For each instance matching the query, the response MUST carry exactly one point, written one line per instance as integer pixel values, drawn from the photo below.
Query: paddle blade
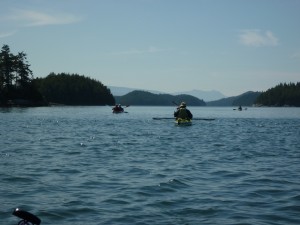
(26, 216)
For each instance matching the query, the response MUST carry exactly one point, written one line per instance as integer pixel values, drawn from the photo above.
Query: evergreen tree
(23, 73)
(6, 68)
(281, 95)
(16, 78)
(74, 89)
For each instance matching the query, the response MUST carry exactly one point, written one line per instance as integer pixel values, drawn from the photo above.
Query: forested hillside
(245, 99)
(281, 95)
(19, 88)
(73, 89)
(149, 99)
(16, 86)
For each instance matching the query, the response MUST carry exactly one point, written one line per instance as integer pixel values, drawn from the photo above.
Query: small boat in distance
(119, 109)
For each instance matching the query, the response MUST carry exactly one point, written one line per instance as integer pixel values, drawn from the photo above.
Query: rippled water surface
(85, 165)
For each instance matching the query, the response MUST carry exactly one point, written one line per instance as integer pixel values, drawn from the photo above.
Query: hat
(182, 104)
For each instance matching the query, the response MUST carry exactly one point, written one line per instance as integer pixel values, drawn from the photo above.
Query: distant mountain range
(145, 98)
(281, 95)
(203, 95)
(142, 97)
(245, 99)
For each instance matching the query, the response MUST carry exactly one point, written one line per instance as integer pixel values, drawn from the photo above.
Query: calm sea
(85, 165)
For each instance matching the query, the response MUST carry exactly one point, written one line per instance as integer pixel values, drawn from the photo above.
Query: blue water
(85, 165)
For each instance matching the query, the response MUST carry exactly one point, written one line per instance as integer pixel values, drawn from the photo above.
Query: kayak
(183, 122)
(172, 118)
(118, 111)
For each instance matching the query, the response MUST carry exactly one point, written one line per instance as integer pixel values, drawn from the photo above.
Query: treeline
(19, 88)
(16, 79)
(144, 98)
(281, 95)
(73, 89)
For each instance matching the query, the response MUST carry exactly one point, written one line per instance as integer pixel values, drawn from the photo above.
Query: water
(85, 165)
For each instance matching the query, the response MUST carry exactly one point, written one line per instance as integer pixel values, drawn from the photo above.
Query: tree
(16, 78)
(6, 68)
(281, 95)
(74, 89)
(23, 73)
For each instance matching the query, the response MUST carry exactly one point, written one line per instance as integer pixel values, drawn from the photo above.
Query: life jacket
(182, 113)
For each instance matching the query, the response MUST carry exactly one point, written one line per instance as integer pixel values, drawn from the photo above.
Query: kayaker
(182, 112)
(118, 108)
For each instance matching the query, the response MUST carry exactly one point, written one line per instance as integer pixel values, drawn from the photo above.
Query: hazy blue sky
(231, 46)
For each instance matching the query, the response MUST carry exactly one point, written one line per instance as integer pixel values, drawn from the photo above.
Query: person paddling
(118, 108)
(182, 112)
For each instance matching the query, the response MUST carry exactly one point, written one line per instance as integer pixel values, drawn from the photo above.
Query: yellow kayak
(183, 122)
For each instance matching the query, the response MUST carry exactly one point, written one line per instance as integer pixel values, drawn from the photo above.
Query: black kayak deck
(170, 118)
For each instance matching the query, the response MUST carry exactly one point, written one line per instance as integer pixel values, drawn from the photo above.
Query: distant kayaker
(182, 112)
(118, 108)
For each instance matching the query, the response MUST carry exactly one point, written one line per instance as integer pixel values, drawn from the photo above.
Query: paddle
(113, 106)
(175, 103)
(169, 118)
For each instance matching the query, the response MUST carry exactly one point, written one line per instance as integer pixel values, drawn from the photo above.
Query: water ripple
(79, 165)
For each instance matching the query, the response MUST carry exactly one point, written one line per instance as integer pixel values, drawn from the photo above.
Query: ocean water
(85, 165)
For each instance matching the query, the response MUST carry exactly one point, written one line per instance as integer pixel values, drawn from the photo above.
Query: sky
(232, 46)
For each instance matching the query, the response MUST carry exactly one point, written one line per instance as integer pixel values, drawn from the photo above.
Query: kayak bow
(183, 122)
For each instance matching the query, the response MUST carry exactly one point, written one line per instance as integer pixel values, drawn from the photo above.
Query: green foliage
(145, 98)
(16, 79)
(281, 95)
(74, 89)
